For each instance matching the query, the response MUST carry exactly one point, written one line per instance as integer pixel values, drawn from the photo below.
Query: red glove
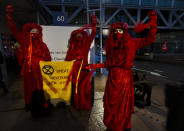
(153, 16)
(94, 66)
(87, 67)
(93, 17)
(140, 26)
(9, 9)
(90, 66)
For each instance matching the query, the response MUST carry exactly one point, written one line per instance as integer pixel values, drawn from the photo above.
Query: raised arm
(93, 27)
(93, 32)
(150, 38)
(12, 25)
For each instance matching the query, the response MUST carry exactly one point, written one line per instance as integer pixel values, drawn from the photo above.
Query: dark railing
(150, 3)
(179, 3)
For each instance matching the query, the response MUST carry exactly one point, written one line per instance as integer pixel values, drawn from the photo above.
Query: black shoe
(27, 107)
(148, 103)
(6, 91)
(127, 129)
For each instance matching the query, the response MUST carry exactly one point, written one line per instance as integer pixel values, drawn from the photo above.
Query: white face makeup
(34, 30)
(119, 31)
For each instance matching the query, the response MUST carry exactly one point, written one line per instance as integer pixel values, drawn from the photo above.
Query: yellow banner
(55, 75)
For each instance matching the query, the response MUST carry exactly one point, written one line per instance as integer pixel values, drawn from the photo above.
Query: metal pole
(172, 5)
(156, 3)
(101, 57)
(87, 11)
(63, 8)
(37, 14)
(122, 2)
(38, 17)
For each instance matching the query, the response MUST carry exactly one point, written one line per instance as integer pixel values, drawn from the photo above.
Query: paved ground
(65, 118)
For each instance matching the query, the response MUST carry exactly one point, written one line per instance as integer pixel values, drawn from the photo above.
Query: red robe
(119, 90)
(32, 79)
(79, 51)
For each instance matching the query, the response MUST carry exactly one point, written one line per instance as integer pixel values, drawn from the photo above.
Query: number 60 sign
(59, 18)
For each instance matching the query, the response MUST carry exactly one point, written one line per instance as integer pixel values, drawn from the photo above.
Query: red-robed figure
(120, 53)
(79, 45)
(119, 91)
(32, 50)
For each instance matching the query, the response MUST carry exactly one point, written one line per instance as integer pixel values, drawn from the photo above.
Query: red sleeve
(130, 55)
(93, 32)
(19, 55)
(68, 55)
(150, 38)
(14, 30)
(91, 37)
(47, 56)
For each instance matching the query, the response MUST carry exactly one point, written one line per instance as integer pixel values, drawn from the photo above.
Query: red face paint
(79, 37)
(119, 33)
(35, 35)
(119, 36)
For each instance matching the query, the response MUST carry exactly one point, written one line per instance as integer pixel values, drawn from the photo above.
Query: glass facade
(167, 42)
(173, 41)
(148, 2)
(179, 3)
(164, 3)
(112, 1)
(131, 2)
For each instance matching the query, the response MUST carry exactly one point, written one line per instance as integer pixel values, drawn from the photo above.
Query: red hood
(27, 28)
(110, 40)
(74, 35)
(119, 25)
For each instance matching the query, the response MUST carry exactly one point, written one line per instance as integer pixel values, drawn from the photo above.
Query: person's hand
(93, 17)
(139, 27)
(153, 16)
(9, 9)
(87, 67)
(90, 66)
(17, 45)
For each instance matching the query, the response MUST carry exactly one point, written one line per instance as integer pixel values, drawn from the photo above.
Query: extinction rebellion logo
(48, 70)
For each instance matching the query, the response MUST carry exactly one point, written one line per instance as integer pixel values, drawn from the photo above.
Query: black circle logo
(48, 70)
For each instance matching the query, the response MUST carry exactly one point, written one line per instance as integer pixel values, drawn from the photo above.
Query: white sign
(56, 38)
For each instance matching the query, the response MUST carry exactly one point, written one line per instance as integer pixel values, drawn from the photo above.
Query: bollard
(175, 103)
